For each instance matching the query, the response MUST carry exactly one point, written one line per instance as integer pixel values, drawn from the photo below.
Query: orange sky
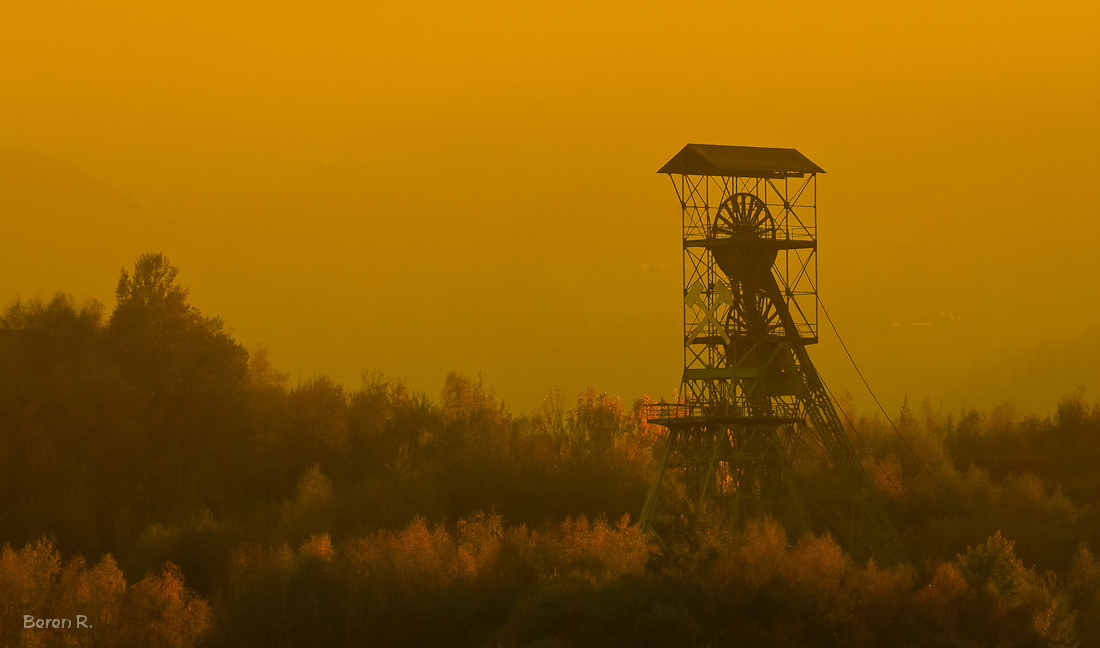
(432, 186)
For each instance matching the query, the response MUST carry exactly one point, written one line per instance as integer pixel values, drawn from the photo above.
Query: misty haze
(373, 325)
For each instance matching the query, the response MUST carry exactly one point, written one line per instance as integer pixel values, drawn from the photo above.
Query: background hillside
(181, 491)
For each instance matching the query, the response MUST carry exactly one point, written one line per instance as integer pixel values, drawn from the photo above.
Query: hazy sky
(426, 186)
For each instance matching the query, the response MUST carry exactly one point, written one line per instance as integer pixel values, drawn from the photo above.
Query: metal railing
(672, 411)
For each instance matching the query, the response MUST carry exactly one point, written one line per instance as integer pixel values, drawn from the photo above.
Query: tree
(164, 341)
(195, 378)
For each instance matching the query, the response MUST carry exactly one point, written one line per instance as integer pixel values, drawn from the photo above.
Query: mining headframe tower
(753, 430)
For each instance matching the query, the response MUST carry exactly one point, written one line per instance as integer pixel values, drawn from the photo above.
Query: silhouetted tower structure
(753, 429)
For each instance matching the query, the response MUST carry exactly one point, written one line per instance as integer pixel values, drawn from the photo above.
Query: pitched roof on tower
(739, 161)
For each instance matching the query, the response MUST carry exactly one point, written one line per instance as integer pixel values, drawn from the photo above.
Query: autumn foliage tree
(159, 611)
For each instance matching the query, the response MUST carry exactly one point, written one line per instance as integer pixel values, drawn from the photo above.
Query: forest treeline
(179, 491)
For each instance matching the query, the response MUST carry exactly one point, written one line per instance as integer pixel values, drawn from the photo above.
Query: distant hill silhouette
(64, 216)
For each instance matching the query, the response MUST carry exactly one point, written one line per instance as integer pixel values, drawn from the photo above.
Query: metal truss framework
(754, 430)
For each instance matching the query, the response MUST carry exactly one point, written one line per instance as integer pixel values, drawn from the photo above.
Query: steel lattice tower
(753, 429)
